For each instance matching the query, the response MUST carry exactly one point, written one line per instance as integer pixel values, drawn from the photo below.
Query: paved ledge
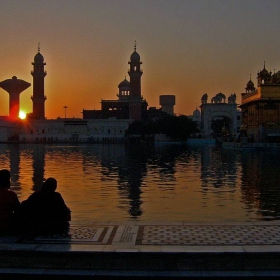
(141, 249)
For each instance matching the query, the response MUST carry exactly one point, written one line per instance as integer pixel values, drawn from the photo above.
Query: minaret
(14, 87)
(264, 76)
(135, 98)
(135, 74)
(38, 97)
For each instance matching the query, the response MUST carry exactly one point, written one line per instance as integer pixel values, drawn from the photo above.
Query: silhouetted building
(97, 126)
(130, 104)
(196, 117)
(167, 103)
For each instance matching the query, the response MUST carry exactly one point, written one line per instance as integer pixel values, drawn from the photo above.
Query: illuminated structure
(261, 107)
(38, 97)
(14, 87)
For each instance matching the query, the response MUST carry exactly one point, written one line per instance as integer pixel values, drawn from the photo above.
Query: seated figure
(45, 212)
(9, 203)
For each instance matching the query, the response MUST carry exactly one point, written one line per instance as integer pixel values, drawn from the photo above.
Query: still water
(166, 183)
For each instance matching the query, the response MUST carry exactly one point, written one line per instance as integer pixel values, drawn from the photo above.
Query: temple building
(130, 103)
(260, 107)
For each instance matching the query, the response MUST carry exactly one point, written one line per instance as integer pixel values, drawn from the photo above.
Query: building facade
(73, 130)
(260, 107)
(220, 113)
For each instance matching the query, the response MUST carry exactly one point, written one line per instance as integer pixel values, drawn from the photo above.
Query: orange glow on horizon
(206, 50)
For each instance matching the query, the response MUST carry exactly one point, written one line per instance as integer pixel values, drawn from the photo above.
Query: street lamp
(65, 107)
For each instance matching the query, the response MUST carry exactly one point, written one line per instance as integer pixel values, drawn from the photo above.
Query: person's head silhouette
(49, 185)
(5, 177)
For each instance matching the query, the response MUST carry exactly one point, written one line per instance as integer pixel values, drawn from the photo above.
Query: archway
(215, 116)
(219, 124)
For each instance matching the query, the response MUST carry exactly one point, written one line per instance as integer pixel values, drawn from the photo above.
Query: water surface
(166, 183)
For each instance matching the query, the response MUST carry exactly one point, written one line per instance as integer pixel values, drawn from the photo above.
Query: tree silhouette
(177, 128)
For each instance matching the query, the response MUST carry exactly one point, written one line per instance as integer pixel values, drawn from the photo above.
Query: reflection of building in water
(261, 107)
(18, 163)
(38, 166)
(260, 182)
(128, 163)
(120, 163)
(131, 170)
(14, 165)
(218, 168)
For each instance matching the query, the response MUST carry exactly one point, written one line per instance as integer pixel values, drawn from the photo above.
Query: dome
(277, 74)
(124, 83)
(196, 113)
(264, 73)
(250, 84)
(135, 57)
(38, 57)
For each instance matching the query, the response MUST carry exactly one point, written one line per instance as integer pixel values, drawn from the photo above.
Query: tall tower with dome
(38, 97)
(135, 74)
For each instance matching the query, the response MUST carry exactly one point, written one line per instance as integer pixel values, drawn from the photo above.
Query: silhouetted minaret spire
(135, 98)
(135, 73)
(38, 97)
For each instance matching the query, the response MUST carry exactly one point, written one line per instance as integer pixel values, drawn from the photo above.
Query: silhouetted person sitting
(8, 203)
(45, 212)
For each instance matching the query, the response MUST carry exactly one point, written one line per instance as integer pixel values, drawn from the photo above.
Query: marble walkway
(148, 249)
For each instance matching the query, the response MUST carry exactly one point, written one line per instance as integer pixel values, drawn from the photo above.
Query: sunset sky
(188, 48)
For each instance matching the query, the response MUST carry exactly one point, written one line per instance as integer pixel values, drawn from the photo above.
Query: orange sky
(187, 47)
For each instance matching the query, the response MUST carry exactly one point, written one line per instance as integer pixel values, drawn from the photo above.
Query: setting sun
(22, 115)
